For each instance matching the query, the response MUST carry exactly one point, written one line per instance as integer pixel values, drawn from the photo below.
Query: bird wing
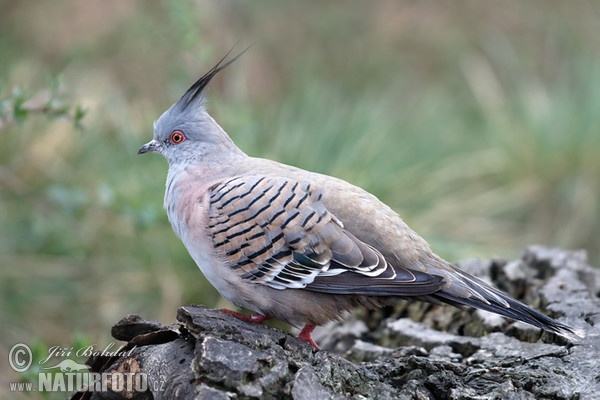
(275, 231)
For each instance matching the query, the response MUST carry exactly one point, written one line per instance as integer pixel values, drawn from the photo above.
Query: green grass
(477, 122)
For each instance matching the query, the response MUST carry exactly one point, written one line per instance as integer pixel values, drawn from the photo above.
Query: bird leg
(256, 318)
(305, 334)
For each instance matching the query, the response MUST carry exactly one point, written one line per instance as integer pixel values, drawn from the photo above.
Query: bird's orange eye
(177, 137)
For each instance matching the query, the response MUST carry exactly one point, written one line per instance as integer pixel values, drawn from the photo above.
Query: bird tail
(485, 297)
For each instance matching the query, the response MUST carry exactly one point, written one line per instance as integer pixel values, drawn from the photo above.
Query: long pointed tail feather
(490, 299)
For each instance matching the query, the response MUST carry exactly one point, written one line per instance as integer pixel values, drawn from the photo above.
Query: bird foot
(305, 334)
(256, 318)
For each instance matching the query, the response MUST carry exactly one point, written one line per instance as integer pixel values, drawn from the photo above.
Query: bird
(295, 245)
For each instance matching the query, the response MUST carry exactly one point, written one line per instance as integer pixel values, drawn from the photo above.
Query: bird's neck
(226, 146)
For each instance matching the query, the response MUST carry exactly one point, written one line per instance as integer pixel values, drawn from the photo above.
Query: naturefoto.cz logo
(68, 375)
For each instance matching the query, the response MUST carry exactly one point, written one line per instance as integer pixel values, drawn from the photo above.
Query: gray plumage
(296, 245)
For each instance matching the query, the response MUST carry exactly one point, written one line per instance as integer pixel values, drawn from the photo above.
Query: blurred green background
(477, 121)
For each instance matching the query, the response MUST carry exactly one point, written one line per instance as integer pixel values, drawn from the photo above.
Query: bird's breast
(186, 202)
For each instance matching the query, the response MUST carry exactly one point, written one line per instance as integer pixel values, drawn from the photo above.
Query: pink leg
(305, 334)
(256, 318)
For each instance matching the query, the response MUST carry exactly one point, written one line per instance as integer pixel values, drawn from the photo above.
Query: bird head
(186, 132)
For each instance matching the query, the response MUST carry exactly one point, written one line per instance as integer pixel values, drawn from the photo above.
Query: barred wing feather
(276, 231)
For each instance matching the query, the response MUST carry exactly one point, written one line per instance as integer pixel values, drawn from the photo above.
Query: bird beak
(152, 146)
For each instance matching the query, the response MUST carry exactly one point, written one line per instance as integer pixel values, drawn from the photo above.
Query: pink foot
(305, 334)
(256, 318)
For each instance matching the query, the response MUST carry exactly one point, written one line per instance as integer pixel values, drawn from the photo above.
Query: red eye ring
(176, 137)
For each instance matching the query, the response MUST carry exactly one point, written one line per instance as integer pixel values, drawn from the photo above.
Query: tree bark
(411, 351)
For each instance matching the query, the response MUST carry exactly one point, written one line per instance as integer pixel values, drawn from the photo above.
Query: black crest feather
(196, 89)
